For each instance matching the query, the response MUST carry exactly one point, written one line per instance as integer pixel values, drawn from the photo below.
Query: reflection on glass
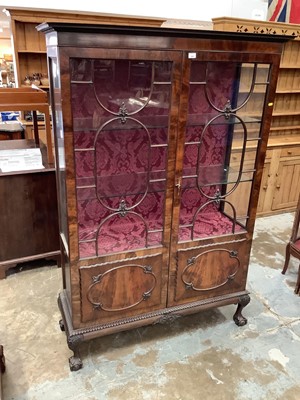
(226, 103)
(120, 119)
(60, 156)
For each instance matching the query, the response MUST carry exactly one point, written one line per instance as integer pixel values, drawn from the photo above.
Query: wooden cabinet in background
(30, 51)
(148, 166)
(280, 186)
(281, 180)
(29, 129)
(29, 217)
(29, 44)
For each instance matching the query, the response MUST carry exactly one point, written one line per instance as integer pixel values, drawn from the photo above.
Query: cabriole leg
(238, 318)
(75, 362)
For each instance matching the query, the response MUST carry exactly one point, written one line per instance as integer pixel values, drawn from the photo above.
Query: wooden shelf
(30, 45)
(255, 91)
(279, 141)
(285, 113)
(287, 91)
(273, 142)
(284, 128)
(32, 51)
(40, 86)
(290, 66)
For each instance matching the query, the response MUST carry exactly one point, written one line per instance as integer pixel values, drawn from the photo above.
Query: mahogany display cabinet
(155, 134)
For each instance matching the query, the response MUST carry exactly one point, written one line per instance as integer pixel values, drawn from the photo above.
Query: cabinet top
(72, 28)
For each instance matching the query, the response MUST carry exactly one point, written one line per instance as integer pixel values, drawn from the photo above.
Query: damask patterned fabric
(297, 244)
(121, 167)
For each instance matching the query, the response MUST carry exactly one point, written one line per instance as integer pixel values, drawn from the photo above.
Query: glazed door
(217, 160)
(124, 119)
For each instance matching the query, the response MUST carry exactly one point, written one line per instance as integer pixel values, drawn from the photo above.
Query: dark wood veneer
(180, 274)
(28, 218)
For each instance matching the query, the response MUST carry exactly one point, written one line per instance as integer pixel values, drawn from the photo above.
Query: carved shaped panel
(123, 279)
(120, 289)
(201, 274)
(209, 271)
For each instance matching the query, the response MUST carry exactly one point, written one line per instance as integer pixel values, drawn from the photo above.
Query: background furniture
(153, 143)
(293, 247)
(28, 215)
(280, 188)
(29, 99)
(281, 176)
(11, 131)
(29, 44)
(28, 127)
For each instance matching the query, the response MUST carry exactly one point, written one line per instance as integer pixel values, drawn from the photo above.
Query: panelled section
(217, 164)
(121, 289)
(155, 150)
(124, 107)
(210, 271)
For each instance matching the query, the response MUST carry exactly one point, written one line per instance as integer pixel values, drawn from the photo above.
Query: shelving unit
(30, 46)
(281, 176)
(30, 50)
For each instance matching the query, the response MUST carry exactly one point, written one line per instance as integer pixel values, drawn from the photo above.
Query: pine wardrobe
(160, 139)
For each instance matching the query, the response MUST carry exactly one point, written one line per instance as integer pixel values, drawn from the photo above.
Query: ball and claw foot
(238, 318)
(75, 363)
(62, 325)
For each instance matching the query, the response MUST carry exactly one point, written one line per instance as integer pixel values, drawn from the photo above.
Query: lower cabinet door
(116, 290)
(210, 271)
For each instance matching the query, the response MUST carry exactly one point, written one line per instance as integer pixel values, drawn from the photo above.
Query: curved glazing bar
(140, 233)
(201, 169)
(147, 101)
(96, 166)
(229, 108)
(216, 201)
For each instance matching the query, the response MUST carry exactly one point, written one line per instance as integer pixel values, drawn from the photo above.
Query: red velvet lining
(120, 155)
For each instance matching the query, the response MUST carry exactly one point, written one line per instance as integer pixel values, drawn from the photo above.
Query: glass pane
(239, 199)
(120, 117)
(60, 156)
(253, 129)
(226, 102)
